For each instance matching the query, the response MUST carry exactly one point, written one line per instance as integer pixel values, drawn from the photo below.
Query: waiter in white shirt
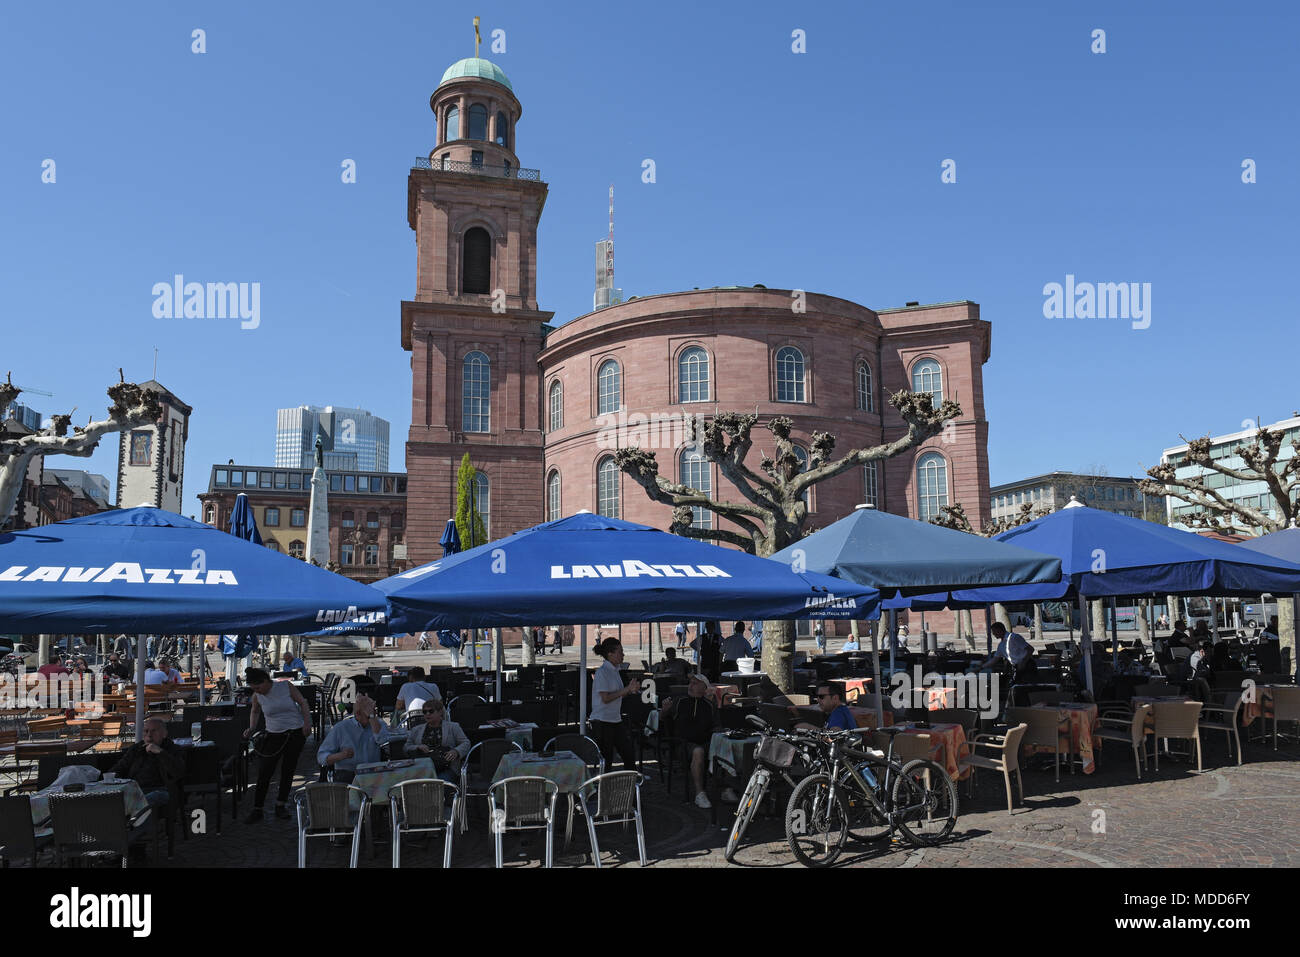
(1014, 649)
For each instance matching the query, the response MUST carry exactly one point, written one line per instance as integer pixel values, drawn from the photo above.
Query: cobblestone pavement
(1227, 816)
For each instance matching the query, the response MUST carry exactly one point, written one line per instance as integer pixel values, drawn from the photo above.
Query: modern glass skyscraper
(352, 439)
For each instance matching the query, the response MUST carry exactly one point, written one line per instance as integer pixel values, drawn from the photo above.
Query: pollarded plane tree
(772, 511)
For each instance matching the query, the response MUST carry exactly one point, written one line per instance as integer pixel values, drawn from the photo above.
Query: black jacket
(152, 771)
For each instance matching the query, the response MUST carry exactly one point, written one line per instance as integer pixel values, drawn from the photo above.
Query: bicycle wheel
(816, 826)
(866, 824)
(925, 801)
(749, 802)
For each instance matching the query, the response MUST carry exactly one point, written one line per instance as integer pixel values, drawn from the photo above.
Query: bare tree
(132, 406)
(773, 512)
(1264, 463)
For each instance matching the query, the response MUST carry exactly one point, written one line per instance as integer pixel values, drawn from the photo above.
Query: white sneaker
(702, 801)
(730, 796)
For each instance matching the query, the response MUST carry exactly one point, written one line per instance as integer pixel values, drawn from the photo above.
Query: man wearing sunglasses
(837, 713)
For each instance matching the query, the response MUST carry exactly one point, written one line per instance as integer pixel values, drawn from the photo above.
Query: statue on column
(320, 454)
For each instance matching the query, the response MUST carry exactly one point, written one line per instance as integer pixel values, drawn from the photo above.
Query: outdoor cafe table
(850, 688)
(565, 768)
(1261, 706)
(521, 735)
(376, 779)
(1078, 726)
(950, 746)
(1150, 699)
(719, 692)
(734, 754)
(135, 802)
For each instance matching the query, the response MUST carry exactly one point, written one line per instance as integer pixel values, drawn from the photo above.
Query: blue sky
(818, 171)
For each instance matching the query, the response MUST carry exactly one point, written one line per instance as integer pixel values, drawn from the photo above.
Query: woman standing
(288, 725)
(607, 694)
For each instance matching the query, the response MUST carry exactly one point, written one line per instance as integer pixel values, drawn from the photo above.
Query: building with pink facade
(541, 407)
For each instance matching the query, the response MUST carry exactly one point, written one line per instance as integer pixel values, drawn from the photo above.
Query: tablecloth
(135, 802)
(376, 779)
(565, 768)
(733, 754)
(950, 747)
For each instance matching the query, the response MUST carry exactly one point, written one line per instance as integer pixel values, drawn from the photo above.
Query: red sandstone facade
(741, 331)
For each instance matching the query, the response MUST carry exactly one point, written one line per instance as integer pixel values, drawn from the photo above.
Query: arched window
(296, 548)
(870, 484)
(927, 376)
(608, 501)
(556, 402)
(476, 265)
(693, 375)
(695, 473)
(476, 394)
(790, 375)
(483, 502)
(553, 513)
(503, 130)
(347, 554)
(478, 122)
(609, 388)
(931, 485)
(866, 396)
(453, 123)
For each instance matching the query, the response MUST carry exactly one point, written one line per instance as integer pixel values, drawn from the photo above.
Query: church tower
(473, 328)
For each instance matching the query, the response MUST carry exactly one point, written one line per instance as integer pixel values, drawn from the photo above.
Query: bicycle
(918, 798)
(779, 754)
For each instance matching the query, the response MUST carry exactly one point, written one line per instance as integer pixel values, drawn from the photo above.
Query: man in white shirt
(1012, 648)
(154, 675)
(412, 695)
(737, 646)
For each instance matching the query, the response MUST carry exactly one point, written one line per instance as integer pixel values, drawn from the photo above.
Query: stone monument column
(318, 513)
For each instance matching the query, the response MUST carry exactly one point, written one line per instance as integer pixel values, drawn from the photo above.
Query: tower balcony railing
(477, 169)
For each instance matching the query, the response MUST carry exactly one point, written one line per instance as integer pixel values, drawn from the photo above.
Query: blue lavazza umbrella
(146, 570)
(588, 568)
(896, 553)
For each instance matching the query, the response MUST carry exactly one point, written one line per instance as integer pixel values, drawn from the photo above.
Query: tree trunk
(1000, 615)
(1144, 633)
(1286, 632)
(1098, 628)
(43, 649)
(956, 628)
(656, 642)
(1175, 609)
(529, 656)
(778, 653)
(969, 622)
(1038, 621)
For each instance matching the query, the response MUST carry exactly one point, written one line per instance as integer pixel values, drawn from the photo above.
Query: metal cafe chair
(324, 810)
(523, 803)
(617, 800)
(419, 807)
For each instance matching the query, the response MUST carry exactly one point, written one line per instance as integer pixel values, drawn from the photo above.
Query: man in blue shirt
(290, 663)
(837, 712)
(353, 741)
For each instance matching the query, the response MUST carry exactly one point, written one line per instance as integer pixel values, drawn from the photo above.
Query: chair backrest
(1152, 689)
(582, 746)
(228, 735)
(48, 767)
(1180, 652)
(531, 711)
(522, 800)
(422, 801)
(461, 702)
(776, 715)
(1177, 719)
(617, 793)
(1011, 746)
(909, 747)
(1286, 703)
(202, 767)
(794, 699)
(1044, 697)
(328, 805)
(17, 833)
(490, 753)
(1042, 724)
(968, 718)
(90, 821)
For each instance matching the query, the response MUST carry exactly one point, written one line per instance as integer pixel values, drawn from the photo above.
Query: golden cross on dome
(476, 38)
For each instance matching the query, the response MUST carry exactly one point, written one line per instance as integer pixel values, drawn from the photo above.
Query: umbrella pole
(139, 687)
(582, 681)
(203, 660)
(880, 685)
(893, 637)
(988, 629)
(501, 660)
(1114, 636)
(1085, 643)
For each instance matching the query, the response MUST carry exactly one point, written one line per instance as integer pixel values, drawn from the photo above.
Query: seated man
(851, 645)
(837, 712)
(290, 663)
(412, 695)
(153, 675)
(440, 739)
(116, 668)
(693, 722)
(168, 666)
(54, 666)
(354, 740)
(155, 763)
(672, 665)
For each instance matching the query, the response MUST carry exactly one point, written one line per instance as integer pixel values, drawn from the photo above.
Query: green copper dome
(476, 67)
